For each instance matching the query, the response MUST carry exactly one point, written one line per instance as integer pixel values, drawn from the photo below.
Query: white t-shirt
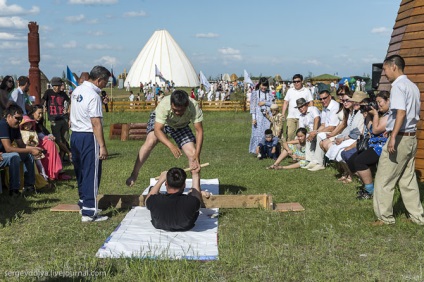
(307, 120)
(86, 103)
(291, 97)
(329, 114)
(404, 95)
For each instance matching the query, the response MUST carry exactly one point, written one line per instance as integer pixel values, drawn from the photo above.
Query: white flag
(247, 78)
(204, 81)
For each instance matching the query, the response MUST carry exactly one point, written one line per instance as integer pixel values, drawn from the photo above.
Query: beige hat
(358, 96)
(274, 107)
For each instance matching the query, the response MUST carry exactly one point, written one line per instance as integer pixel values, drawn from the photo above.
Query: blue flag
(71, 80)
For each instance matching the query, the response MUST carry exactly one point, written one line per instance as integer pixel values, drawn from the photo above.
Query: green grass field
(332, 240)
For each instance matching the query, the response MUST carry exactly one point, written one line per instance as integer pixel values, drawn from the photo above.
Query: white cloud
(10, 36)
(107, 61)
(230, 54)
(93, 2)
(207, 35)
(70, 45)
(95, 33)
(13, 22)
(49, 45)
(314, 62)
(12, 45)
(6, 10)
(74, 19)
(135, 14)
(93, 21)
(97, 46)
(381, 30)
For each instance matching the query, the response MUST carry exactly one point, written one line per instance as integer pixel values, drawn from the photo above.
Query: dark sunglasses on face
(297, 81)
(323, 98)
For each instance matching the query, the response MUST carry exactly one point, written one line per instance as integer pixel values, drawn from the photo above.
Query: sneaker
(98, 211)
(259, 156)
(317, 167)
(310, 165)
(364, 196)
(95, 218)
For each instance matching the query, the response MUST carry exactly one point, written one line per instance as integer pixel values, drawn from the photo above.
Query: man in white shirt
(329, 121)
(87, 141)
(397, 161)
(297, 92)
(18, 95)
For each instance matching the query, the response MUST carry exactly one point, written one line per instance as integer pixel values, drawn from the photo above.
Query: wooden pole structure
(34, 60)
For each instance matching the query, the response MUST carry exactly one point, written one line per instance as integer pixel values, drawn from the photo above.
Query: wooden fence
(207, 106)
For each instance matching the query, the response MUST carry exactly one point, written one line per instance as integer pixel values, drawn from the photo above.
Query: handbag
(362, 143)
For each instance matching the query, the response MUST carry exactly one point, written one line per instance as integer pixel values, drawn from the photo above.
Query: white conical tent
(163, 51)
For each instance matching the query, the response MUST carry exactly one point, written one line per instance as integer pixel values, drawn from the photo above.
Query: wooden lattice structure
(408, 41)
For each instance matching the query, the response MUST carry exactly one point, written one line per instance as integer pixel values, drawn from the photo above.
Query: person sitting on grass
(12, 156)
(268, 147)
(175, 211)
(295, 149)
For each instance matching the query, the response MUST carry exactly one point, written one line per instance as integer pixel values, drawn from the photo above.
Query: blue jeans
(266, 152)
(13, 161)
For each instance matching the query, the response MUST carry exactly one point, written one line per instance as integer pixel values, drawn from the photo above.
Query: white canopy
(162, 50)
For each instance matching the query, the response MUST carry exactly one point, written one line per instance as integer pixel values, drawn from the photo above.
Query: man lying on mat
(175, 211)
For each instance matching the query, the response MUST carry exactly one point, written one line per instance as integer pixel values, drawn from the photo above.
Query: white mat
(136, 237)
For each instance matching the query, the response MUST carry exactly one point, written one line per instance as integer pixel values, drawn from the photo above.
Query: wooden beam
(214, 201)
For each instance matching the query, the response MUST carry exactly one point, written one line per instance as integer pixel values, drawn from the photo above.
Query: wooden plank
(406, 5)
(419, 43)
(412, 35)
(409, 20)
(288, 207)
(65, 208)
(399, 31)
(413, 27)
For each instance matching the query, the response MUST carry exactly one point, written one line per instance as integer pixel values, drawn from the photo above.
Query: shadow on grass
(399, 206)
(231, 189)
(13, 208)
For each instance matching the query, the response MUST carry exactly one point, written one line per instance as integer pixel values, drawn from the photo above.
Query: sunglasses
(324, 97)
(345, 101)
(18, 118)
(10, 81)
(297, 81)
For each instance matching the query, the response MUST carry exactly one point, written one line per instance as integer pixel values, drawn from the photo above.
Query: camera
(372, 104)
(263, 111)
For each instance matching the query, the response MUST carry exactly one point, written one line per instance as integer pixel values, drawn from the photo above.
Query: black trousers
(363, 160)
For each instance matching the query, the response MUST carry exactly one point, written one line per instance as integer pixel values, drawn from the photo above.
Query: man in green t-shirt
(172, 116)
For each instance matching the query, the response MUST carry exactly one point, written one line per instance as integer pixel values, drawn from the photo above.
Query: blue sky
(265, 38)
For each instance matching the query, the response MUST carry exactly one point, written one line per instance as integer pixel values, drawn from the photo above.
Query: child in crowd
(30, 138)
(277, 121)
(268, 147)
(295, 149)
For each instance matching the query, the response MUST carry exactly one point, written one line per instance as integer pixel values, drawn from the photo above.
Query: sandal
(343, 178)
(271, 166)
(347, 180)
(278, 167)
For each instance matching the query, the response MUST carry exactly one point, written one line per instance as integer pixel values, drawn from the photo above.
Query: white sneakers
(259, 156)
(317, 167)
(94, 218)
